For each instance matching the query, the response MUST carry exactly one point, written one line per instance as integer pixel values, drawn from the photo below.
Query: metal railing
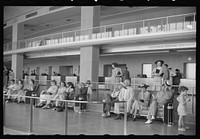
(154, 25)
(66, 111)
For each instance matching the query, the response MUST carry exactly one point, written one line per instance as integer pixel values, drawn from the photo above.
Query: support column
(17, 59)
(89, 58)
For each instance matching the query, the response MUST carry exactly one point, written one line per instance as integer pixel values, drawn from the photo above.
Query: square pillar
(17, 65)
(89, 57)
(89, 64)
(17, 59)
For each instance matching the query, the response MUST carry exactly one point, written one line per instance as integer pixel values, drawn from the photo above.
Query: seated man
(141, 101)
(109, 98)
(49, 94)
(159, 100)
(126, 94)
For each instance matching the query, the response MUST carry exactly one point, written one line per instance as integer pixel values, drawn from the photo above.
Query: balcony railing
(155, 25)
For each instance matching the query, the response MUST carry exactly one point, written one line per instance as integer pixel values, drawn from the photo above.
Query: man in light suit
(126, 94)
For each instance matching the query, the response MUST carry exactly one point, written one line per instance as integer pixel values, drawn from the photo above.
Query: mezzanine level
(169, 26)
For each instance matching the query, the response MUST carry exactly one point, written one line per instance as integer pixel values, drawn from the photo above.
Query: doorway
(66, 70)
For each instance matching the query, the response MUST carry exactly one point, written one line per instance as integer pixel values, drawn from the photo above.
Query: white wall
(134, 62)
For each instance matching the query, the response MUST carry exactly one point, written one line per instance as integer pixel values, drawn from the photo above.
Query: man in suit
(126, 94)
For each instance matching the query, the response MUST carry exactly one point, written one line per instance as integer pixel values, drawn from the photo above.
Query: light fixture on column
(189, 58)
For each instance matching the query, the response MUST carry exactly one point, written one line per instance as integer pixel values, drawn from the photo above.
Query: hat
(88, 82)
(168, 83)
(177, 70)
(143, 85)
(162, 62)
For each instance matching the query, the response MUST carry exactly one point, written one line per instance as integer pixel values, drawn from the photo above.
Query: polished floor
(48, 122)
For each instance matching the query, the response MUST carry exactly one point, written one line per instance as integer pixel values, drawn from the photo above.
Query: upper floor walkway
(165, 27)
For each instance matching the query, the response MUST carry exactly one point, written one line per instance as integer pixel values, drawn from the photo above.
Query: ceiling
(71, 16)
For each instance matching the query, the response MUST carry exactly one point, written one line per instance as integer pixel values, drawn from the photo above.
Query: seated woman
(60, 94)
(20, 91)
(70, 93)
(159, 100)
(111, 97)
(81, 96)
(141, 101)
(49, 94)
(28, 89)
(10, 89)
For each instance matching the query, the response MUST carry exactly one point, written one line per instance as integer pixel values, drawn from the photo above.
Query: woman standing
(157, 75)
(116, 74)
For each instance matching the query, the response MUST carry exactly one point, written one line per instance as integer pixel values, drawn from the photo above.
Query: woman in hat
(49, 94)
(141, 101)
(157, 75)
(161, 98)
(116, 74)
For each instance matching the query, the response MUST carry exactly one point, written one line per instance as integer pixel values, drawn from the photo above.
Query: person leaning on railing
(161, 98)
(49, 94)
(111, 97)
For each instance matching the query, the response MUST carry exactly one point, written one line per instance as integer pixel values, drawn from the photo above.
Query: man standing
(126, 74)
(165, 74)
(126, 94)
(176, 80)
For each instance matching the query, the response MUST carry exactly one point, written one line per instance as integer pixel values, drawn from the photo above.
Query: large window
(147, 69)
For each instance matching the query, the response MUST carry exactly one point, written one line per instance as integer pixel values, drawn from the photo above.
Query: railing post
(66, 117)
(125, 118)
(167, 23)
(97, 88)
(31, 116)
(192, 100)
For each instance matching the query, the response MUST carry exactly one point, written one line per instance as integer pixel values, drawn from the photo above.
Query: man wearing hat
(163, 96)
(141, 101)
(157, 75)
(126, 94)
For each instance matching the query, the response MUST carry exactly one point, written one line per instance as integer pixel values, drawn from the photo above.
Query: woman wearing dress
(141, 101)
(157, 75)
(60, 94)
(116, 75)
(49, 94)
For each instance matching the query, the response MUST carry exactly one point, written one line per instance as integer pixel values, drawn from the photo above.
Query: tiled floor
(48, 122)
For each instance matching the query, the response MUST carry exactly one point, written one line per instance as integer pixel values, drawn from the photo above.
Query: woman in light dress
(60, 95)
(157, 75)
(49, 94)
(116, 75)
